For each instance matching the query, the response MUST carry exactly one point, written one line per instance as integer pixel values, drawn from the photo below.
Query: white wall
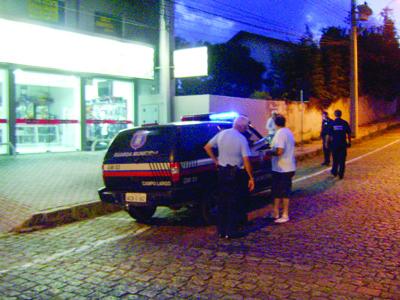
(150, 107)
(256, 110)
(189, 105)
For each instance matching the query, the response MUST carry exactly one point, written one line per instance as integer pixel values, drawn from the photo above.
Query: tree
(334, 45)
(301, 69)
(380, 60)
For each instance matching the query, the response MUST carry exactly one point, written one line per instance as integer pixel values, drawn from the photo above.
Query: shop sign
(46, 10)
(66, 50)
(191, 62)
(107, 24)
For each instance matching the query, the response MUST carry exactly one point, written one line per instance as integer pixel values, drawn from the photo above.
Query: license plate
(136, 197)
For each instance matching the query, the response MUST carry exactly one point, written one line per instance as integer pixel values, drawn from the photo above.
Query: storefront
(4, 146)
(70, 91)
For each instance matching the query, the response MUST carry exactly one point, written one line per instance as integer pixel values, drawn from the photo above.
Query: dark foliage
(380, 61)
(324, 71)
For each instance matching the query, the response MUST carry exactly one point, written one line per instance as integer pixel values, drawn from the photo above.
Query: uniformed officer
(325, 127)
(337, 134)
(233, 155)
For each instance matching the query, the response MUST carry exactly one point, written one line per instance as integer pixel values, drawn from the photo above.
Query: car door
(261, 162)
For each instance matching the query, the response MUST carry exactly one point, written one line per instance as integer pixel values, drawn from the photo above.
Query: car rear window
(143, 144)
(193, 139)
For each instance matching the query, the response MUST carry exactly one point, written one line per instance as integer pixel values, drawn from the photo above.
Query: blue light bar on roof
(224, 116)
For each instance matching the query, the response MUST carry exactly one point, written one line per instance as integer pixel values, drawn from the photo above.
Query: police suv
(166, 165)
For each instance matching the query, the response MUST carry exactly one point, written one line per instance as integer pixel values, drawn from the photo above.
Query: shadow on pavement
(302, 199)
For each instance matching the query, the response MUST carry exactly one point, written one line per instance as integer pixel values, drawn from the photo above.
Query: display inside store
(106, 116)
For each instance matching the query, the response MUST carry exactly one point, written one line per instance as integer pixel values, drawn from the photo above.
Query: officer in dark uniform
(338, 133)
(325, 127)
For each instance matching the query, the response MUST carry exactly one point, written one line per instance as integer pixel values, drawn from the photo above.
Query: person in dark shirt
(325, 127)
(340, 138)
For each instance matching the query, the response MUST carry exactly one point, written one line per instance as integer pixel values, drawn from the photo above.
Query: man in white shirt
(270, 126)
(233, 160)
(283, 168)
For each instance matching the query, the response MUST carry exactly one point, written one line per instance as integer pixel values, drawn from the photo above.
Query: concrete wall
(375, 110)
(189, 105)
(302, 119)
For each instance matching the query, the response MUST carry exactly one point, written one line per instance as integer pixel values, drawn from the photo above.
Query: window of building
(4, 112)
(109, 109)
(47, 112)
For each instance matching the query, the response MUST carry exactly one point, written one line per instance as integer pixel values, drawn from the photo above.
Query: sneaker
(282, 220)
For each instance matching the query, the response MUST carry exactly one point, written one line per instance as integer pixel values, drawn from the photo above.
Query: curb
(65, 215)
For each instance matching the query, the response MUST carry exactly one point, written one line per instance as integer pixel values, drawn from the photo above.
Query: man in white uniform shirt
(232, 162)
(283, 168)
(270, 126)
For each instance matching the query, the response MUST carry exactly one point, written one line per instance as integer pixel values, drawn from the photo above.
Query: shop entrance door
(109, 109)
(5, 146)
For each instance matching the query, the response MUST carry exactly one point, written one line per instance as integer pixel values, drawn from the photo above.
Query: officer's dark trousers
(229, 205)
(339, 160)
(327, 150)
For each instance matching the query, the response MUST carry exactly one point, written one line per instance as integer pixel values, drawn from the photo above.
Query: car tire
(208, 207)
(141, 214)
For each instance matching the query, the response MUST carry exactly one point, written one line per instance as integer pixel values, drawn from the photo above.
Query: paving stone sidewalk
(56, 188)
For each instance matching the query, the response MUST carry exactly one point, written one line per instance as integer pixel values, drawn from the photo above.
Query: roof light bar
(198, 117)
(224, 116)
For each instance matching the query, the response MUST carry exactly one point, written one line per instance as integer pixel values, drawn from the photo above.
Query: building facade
(73, 73)
(264, 49)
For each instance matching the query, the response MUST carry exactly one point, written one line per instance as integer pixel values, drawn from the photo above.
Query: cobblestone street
(342, 242)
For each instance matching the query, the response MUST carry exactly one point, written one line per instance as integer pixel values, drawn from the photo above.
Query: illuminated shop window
(109, 109)
(47, 112)
(4, 124)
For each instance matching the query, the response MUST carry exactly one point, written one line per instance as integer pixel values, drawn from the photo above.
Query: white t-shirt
(270, 126)
(286, 162)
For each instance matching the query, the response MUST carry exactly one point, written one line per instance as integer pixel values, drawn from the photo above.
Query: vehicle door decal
(139, 139)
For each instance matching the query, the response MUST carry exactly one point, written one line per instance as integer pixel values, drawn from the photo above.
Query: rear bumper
(154, 198)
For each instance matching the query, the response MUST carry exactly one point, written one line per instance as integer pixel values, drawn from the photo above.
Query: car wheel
(141, 213)
(209, 207)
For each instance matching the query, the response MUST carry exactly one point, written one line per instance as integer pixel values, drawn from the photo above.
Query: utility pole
(354, 72)
(167, 86)
(364, 12)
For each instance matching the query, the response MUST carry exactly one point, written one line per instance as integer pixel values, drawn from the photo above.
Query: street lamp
(364, 12)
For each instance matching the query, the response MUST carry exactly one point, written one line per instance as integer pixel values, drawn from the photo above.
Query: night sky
(217, 21)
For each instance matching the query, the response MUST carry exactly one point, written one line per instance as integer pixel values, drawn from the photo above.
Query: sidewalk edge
(65, 215)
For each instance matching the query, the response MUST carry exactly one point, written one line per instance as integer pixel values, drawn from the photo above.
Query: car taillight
(175, 171)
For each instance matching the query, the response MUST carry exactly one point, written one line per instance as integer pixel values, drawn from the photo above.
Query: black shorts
(281, 184)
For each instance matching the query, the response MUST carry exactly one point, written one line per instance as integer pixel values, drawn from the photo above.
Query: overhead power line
(257, 26)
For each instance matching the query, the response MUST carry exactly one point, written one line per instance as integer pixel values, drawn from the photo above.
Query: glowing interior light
(224, 116)
(44, 79)
(191, 62)
(40, 46)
